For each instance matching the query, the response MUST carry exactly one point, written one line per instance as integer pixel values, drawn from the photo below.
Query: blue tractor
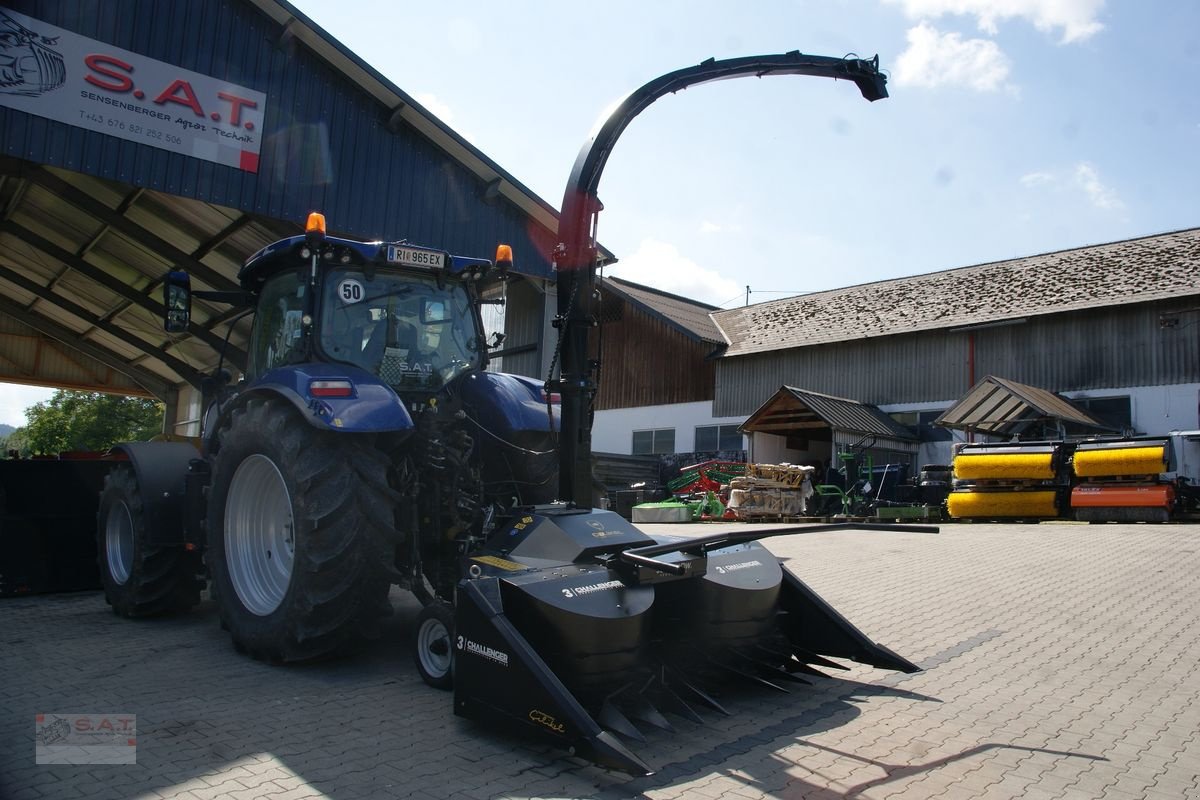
(365, 446)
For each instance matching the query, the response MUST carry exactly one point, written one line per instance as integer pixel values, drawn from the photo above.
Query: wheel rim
(259, 535)
(433, 648)
(118, 543)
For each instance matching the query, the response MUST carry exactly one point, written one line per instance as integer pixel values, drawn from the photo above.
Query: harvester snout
(580, 627)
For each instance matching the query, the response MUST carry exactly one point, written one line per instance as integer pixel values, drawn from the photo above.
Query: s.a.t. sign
(63, 76)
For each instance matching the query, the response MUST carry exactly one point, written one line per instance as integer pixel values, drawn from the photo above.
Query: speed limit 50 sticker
(350, 291)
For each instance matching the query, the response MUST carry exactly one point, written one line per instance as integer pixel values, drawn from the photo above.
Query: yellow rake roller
(971, 504)
(1006, 463)
(1115, 459)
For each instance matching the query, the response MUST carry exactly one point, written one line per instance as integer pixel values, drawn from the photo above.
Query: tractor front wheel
(433, 646)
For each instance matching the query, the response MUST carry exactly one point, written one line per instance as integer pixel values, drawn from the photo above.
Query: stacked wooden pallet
(770, 491)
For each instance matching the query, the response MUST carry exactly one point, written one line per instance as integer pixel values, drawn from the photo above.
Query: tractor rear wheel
(300, 533)
(139, 579)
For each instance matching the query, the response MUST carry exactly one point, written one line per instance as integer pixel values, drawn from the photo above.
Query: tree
(87, 421)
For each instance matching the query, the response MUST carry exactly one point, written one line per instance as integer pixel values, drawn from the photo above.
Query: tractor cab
(405, 314)
(396, 324)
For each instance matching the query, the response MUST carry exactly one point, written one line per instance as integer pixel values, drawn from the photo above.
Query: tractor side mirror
(177, 301)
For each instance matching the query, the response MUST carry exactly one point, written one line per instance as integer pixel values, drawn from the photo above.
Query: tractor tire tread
(342, 506)
(162, 580)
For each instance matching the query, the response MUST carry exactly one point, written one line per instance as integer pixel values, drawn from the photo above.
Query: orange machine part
(1153, 496)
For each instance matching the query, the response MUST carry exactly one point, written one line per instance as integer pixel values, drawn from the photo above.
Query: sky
(1014, 127)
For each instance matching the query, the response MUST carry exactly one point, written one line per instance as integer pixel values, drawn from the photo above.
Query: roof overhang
(1001, 407)
(792, 411)
(81, 267)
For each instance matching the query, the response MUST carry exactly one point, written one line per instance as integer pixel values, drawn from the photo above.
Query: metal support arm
(575, 256)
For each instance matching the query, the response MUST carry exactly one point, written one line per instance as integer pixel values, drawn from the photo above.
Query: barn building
(658, 375)
(1113, 327)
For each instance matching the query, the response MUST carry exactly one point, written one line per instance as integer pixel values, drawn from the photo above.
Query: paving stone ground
(1059, 662)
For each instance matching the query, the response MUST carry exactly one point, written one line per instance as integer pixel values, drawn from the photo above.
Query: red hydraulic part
(1154, 496)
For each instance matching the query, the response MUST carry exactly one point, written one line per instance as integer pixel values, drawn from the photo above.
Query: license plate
(412, 257)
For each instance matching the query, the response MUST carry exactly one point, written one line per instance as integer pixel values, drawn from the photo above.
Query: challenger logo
(736, 567)
(483, 651)
(591, 588)
(598, 530)
(542, 718)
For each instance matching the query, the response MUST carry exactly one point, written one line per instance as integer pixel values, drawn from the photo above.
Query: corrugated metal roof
(1117, 273)
(792, 410)
(690, 317)
(1000, 407)
(81, 260)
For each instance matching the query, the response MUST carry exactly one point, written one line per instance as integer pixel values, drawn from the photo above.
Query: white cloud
(946, 59)
(708, 226)
(661, 265)
(1102, 196)
(1077, 19)
(1037, 179)
(1082, 177)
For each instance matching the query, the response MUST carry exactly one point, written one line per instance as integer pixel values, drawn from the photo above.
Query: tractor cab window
(277, 332)
(399, 326)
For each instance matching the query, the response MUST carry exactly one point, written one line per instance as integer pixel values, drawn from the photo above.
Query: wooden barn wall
(646, 362)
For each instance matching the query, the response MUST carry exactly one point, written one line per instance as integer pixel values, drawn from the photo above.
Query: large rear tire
(300, 533)
(140, 580)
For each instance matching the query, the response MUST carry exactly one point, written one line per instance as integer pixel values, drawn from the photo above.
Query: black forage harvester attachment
(573, 624)
(577, 626)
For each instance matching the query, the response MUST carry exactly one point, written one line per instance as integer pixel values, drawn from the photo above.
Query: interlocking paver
(1047, 647)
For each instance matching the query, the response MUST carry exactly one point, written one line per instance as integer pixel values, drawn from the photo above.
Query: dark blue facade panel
(325, 143)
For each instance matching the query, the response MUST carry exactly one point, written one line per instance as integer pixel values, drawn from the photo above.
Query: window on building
(654, 442)
(713, 438)
(1114, 411)
(921, 424)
